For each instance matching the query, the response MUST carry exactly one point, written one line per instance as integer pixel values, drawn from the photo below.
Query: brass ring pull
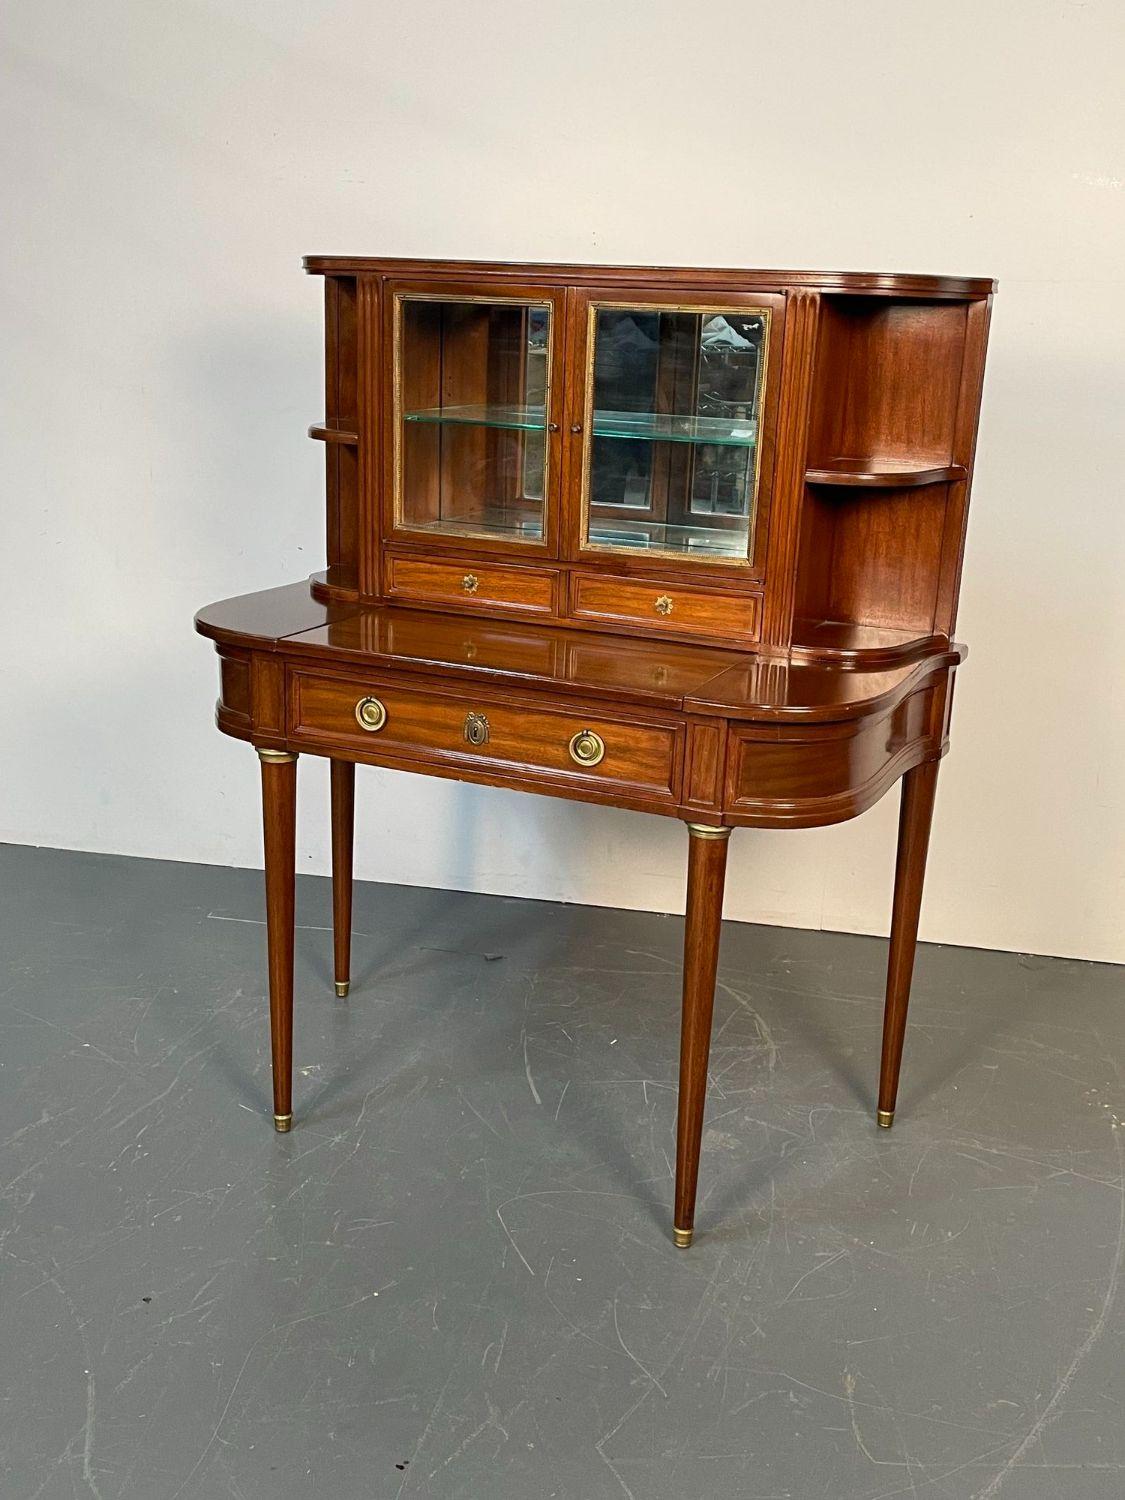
(663, 605)
(587, 748)
(470, 583)
(370, 714)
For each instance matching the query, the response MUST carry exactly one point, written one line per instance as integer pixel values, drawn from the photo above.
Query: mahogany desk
(725, 594)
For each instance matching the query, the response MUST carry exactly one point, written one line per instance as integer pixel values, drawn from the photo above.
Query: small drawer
(489, 735)
(529, 590)
(678, 608)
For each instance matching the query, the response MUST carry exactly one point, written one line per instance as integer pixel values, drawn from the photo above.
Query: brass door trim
(398, 441)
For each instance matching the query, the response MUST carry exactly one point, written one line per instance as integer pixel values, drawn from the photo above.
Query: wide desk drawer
(423, 581)
(497, 737)
(677, 608)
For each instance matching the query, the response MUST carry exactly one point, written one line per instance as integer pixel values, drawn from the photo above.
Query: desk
(716, 739)
(724, 596)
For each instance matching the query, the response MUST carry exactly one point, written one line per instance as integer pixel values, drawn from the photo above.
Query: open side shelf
(334, 432)
(883, 473)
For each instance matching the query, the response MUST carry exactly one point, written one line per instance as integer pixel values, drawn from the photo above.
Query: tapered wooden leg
(915, 816)
(707, 865)
(343, 826)
(279, 818)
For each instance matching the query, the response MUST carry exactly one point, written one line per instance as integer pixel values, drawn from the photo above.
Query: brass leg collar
(283, 1123)
(704, 831)
(682, 1237)
(342, 987)
(275, 757)
(886, 1118)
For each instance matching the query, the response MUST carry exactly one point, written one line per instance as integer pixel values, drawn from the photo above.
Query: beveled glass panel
(472, 392)
(672, 430)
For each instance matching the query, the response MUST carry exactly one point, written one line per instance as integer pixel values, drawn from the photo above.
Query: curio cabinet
(686, 542)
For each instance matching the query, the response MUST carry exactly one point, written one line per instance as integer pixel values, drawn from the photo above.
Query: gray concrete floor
(454, 1278)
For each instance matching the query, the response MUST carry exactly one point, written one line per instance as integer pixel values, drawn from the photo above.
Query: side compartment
(811, 775)
(891, 431)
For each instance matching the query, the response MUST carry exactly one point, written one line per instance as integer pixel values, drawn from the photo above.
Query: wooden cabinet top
(887, 283)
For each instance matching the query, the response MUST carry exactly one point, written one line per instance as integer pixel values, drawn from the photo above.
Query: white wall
(165, 166)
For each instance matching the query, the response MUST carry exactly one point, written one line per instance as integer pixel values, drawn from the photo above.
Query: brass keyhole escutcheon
(587, 748)
(370, 714)
(470, 583)
(663, 605)
(476, 729)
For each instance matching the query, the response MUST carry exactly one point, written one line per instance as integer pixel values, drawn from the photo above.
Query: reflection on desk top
(265, 618)
(762, 688)
(708, 680)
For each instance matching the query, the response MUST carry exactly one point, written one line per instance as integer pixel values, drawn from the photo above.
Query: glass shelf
(658, 427)
(656, 536)
(494, 520)
(508, 418)
(650, 427)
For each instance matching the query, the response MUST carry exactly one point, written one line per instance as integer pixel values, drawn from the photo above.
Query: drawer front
(481, 732)
(529, 590)
(676, 608)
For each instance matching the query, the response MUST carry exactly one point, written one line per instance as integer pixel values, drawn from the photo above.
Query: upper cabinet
(771, 460)
(475, 381)
(671, 398)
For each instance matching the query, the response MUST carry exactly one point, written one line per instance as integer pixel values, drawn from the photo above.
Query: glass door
(475, 445)
(674, 427)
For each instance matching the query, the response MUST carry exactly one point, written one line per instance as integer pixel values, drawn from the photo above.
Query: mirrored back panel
(674, 407)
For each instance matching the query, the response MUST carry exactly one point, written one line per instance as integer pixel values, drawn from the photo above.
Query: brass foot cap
(682, 1237)
(886, 1118)
(342, 987)
(283, 1123)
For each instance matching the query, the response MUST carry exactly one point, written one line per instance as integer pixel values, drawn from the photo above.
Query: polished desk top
(708, 680)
